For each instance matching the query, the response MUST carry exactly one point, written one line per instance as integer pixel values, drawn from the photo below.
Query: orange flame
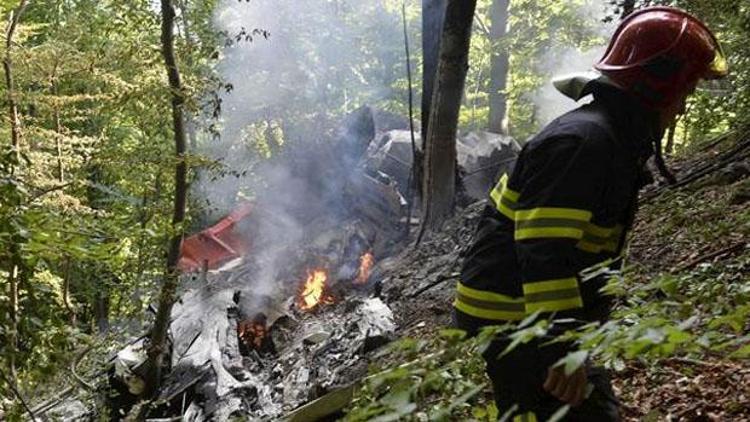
(313, 292)
(366, 262)
(252, 333)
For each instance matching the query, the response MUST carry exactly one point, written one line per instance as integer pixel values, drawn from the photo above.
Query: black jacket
(564, 208)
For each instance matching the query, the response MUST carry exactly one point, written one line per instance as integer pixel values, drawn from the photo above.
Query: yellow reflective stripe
(547, 232)
(488, 313)
(600, 231)
(555, 305)
(511, 194)
(552, 295)
(597, 239)
(525, 417)
(550, 285)
(589, 247)
(539, 223)
(502, 186)
(497, 192)
(506, 210)
(564, 213)
(610, 246)
(504, 198)
(485, 295)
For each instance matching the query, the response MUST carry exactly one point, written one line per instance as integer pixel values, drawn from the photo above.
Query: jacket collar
(638, 127)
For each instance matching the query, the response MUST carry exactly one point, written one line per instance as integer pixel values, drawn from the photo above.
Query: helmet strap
(661, 165)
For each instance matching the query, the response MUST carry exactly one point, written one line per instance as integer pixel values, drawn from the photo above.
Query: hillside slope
(680, 342)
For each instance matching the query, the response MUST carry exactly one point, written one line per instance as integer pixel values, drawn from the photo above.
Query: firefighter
(555, 226)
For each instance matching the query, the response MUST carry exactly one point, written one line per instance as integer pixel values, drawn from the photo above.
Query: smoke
(323, 59)
(549, 102)
(289, 93)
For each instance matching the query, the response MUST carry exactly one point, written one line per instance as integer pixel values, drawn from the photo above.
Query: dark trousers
(518, 376)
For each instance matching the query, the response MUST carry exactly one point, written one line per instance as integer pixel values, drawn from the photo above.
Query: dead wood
(440, 280)
(53, 402)
(724, 251)
(736, 153)
(74, 369)
(732, 134)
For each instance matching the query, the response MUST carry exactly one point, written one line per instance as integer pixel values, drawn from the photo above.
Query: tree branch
(157, 348)
(18, 395)
(15, 124)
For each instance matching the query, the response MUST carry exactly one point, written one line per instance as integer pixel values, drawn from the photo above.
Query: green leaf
(559, 414)
(742, 353)
(573, 361)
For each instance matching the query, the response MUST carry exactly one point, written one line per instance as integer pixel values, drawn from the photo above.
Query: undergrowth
(670, 303)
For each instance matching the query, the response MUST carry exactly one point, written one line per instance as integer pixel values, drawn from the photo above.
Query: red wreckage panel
(217, 244)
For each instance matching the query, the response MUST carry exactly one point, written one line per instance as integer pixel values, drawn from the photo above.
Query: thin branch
(440, 280)
(482, 25)
(49, 190)
(46, 406)
(18, 395)
(723, 251)
(74, 366)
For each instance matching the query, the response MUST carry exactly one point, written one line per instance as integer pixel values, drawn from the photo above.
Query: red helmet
(659, 53)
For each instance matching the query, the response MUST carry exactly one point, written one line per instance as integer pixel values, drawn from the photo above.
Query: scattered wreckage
(280, 302)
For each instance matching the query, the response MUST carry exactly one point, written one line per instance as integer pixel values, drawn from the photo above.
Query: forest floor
(688, 263)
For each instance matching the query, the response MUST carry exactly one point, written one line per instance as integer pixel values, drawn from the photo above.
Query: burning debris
(281, 357)
(292, 318)
(253, 335)
(314, 290)
(366, 261)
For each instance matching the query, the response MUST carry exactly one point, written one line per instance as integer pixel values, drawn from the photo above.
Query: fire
(253, 332)
(313, 291)
(366, 262)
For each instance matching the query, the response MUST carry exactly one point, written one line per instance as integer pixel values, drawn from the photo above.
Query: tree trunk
(66, 292)
(158, 345)
(13, 336)
(439, 180)
(58, 133)
(101, 311)
(498, 66)
(670, 138)
(433, 15)
(15, 134)
(15, 124)
(628, 6)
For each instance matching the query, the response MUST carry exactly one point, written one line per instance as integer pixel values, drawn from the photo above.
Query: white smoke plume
(549, 102)
(321, 60)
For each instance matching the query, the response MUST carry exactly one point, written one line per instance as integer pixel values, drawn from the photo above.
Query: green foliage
(539, 31)
(86, 205)
(661, 312)
(719, 105)
(433, 385)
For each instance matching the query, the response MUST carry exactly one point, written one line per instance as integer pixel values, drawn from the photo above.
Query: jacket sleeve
(560, 186)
